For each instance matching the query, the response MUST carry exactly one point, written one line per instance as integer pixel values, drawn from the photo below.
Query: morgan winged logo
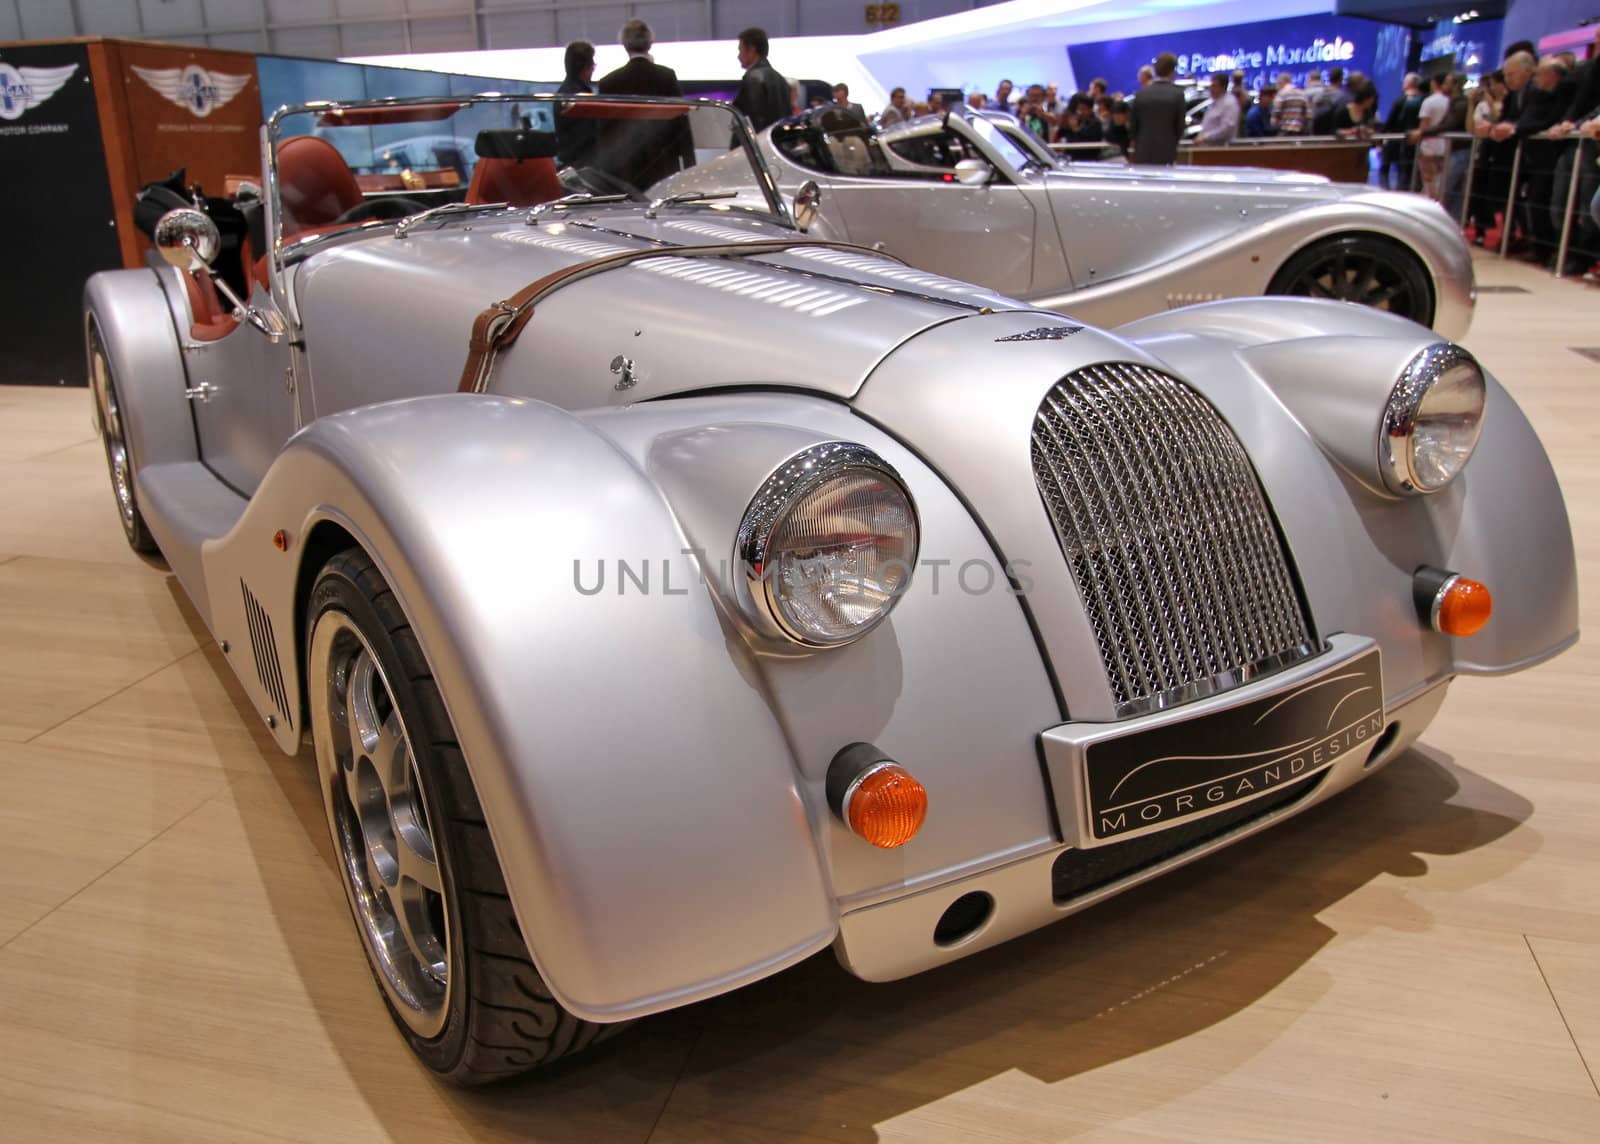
(22, 89)
(194, 88)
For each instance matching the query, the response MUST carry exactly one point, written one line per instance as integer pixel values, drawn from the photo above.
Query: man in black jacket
(1538, 106)
(1404, 116)
(763, 93)
(575, 137)
(1155, 120)
(1579, 125)
(644, 152)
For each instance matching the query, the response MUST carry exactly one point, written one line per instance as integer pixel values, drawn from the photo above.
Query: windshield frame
(1025, 139)
(281, 256)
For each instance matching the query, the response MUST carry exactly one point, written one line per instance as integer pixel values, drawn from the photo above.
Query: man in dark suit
(643, 152)
(1156, 118)
(841, 99)
(763, 93)
(575, 137)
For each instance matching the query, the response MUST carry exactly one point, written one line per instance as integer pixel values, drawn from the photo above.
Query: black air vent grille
(265, 649)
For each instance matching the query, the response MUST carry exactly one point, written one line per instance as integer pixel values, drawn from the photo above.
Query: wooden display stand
(1340, 160)
(148, 135)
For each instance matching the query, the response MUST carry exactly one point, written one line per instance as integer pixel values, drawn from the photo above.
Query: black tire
(120, 463)
(495, 1018)
(1362, 268)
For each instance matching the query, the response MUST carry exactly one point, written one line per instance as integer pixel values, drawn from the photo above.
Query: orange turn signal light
(1448, 602)
(886, 806)
(875, 796)
(1464, 607)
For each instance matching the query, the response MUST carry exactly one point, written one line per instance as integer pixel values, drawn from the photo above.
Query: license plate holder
(1120, 780)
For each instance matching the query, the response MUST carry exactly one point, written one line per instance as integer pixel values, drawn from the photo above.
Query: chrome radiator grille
(1168, 536)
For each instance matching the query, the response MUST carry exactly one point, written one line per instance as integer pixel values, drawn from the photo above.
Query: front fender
(645, 871)
(135, 322)
(1329, 368)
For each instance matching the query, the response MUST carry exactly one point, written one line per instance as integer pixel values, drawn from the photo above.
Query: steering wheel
(605, 183)
(384, 208)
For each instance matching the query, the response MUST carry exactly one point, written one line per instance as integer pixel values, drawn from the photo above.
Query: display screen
(1475, 45)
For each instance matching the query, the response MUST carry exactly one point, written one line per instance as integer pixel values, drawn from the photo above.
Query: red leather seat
(315, 184)
(520, 182)
(212, 318)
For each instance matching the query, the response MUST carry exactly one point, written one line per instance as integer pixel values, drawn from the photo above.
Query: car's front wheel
(119, 459)
(418, 867)
(1361, 268)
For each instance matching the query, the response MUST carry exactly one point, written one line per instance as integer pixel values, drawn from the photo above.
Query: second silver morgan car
(973, 195)
(667, 596)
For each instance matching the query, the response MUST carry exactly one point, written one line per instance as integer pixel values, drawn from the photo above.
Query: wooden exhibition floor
(1418, 960)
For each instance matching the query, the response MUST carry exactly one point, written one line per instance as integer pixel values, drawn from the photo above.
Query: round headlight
(828, 545)
(1432, 421)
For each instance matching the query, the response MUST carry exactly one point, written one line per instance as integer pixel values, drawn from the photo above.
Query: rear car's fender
(640, 794)
(1247, 259)
(1330, 367)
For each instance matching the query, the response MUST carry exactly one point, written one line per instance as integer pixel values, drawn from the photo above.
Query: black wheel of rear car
(1364, 269)
(119, 460)
(418, 867)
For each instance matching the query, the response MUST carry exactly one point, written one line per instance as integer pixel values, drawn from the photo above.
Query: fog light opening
(1381, 746)
(965, 917)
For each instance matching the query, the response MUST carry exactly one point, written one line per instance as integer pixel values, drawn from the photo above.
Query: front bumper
(895, 939)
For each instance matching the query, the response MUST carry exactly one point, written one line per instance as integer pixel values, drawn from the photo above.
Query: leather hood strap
(499, 326)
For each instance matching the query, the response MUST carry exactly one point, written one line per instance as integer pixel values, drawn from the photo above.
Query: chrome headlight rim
(1397, 435)
(789, 484)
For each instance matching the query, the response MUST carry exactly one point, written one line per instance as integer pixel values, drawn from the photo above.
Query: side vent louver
(265, 650)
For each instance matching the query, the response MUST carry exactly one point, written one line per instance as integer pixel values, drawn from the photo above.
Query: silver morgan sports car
(973, 195)
(668, 595)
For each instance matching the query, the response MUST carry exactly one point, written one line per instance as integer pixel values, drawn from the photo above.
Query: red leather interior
(255, 268)
(212, 319)
(520, 182)
(315, 184)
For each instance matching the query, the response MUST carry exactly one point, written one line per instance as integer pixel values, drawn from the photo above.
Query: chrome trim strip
(1438, 600)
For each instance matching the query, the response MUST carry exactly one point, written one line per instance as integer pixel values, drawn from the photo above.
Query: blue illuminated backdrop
(1261, 50)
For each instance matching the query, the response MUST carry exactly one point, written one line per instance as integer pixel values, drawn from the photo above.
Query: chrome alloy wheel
(116, 443)
(1366, 270)
(379, 816)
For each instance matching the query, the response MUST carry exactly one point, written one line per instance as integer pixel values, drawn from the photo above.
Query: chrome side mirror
(807, 203)
(973, 173)
(188, 238)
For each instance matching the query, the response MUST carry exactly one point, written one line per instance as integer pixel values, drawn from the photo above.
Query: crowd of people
(1548, 107)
